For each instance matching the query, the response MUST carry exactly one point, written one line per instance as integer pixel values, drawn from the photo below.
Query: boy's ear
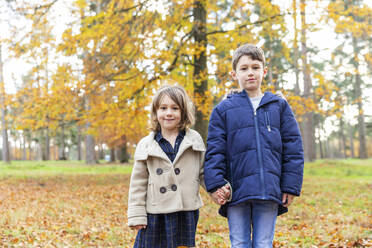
(233, 75)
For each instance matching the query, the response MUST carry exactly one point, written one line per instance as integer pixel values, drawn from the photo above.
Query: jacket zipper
(267, 121)
(231, 176)
(259, 154)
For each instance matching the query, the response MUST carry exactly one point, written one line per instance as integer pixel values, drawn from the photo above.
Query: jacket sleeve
(215, 159)
(293, 154)
(137, 194)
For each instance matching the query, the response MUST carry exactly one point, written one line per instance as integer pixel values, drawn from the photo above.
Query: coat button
(163, 190)
(177, 171)
(159, 171)
(174, 187)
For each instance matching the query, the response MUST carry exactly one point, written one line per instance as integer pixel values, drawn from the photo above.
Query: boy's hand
(138, 227)
(287, 199)
(221, 195)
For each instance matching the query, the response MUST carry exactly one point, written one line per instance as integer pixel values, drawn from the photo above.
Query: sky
(324, 39)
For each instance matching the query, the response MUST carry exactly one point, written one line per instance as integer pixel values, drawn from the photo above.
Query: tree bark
(351, 136)
(62, 146)
(200, 62)
(6, 154)
(112, 155)
(79, 143)
(309, 129)
(359, 98)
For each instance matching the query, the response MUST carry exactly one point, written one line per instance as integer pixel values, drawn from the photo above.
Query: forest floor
(70, 204)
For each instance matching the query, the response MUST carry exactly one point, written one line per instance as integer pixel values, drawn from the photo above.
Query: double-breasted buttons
(159, 171)
(177, 171)
(163, 190)
(174, 187)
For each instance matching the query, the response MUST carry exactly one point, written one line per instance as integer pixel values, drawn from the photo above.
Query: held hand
(216, 197)
(221, 195)
(138, 227)
(287, 199)
(226, 191)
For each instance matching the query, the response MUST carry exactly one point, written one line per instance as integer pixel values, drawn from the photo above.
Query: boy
(255, 145)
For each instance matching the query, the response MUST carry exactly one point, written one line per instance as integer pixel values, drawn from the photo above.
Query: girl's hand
(138, 227)
(287, 199)
(221, 195)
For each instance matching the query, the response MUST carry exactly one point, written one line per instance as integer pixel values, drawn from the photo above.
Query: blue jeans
(259, 216)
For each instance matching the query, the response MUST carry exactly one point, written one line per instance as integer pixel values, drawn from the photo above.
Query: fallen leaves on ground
(90, 211)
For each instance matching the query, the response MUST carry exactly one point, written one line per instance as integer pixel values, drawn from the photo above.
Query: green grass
(346, 169)
(32, 169)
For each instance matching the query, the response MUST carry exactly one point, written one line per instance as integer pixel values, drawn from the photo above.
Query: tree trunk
(359, 98)
(101, 153)
(351, 136)
(62, 146)
(6, 154)
(90, 152)
(309, 137)
(295, 50)
(112, 155)
(200, 63)
(79, 143)
(342, 139)
(24, 150)
(123, 155)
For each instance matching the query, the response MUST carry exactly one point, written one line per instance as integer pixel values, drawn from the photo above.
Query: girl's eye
(163, 108)
(175, 108)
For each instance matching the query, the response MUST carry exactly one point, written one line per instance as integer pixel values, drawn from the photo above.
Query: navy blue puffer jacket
(260, 153)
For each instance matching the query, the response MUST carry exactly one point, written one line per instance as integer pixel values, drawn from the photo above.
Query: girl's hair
(180, 97)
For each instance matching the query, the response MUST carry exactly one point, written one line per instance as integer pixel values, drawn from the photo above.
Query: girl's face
(168, 114)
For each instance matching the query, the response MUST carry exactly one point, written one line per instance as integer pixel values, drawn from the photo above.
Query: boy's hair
(250, 50)
(180, 97)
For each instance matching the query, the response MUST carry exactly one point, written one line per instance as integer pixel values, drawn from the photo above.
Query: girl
(168, 169)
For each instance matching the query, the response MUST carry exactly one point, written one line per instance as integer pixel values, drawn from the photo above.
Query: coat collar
(149, 147)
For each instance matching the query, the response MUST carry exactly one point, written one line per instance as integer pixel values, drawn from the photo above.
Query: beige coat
(159, 186)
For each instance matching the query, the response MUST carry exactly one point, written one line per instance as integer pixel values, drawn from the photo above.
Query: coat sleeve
(201, 173)
(137, 194)
(215, 159)
(293, 154)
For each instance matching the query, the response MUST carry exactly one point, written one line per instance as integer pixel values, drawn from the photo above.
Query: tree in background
(352, 19)
(116, 53)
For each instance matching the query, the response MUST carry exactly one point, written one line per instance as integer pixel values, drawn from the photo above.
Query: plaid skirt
(168, 230)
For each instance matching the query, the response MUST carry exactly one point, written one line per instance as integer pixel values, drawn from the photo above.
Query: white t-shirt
(255, 102)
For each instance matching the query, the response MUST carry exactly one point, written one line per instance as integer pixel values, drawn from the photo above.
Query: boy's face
(249, 74)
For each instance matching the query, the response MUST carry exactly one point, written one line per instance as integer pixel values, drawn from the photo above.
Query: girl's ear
(233, 75)
(265, 71)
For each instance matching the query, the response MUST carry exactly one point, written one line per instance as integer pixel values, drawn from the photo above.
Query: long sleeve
(293, 155)
(215, 159)
(137, 194)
